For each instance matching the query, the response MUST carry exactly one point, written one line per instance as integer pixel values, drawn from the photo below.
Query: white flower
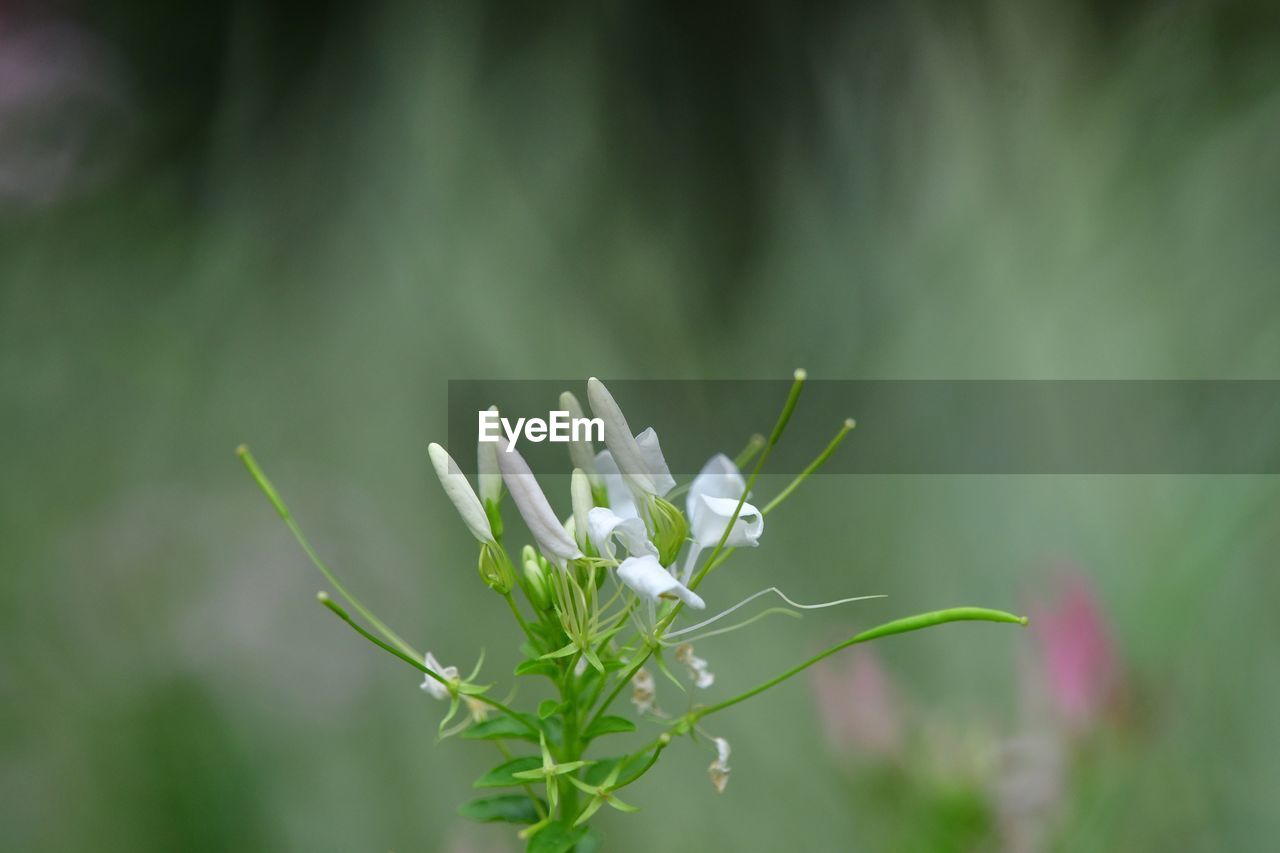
(432, 687)
(698, 670)
(719, 769)
(460, 493)
(487, 474)
(605, 525)
(646, 576)
(713, 497)
(554, 542)
(638, 458)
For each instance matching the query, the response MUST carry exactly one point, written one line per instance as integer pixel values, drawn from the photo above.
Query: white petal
(604, 525)
(582, 453)
(655, 463)
(647, 577)
(554, 542)
(580, 492)
(487, 474)
(719, 478)
(710, 516)
(432, 687)
(617, 435)
(459, 492)
(621, 500)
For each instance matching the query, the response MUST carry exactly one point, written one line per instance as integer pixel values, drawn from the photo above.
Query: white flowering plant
(604, 598)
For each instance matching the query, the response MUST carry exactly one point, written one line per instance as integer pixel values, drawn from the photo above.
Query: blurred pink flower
(64, 114)
(858, 706)
(1078, 660)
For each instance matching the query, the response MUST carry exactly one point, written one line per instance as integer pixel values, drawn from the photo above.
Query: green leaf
(608, 725)
(500, 776)
(503, 727)
(548, 707)
(555, 838)
(590, 843)
(505, 808)
(538, 667)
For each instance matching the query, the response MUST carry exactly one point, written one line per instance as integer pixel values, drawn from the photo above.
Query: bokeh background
(291, 223)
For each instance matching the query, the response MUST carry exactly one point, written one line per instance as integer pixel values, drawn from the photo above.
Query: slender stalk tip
(242, 451)
(322, 597)
(1024, 621)
(801, 374)
(850, 423)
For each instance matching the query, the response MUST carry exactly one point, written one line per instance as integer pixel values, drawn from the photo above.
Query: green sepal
(608, 725)
(562, 652)
(501, 776)
(504, 808)
(598, 773)
(474, 689)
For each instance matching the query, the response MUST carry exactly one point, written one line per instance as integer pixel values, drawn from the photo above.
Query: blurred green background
(290, 224)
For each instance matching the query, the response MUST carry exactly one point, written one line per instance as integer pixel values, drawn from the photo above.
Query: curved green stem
(898, 626)
(419, 665)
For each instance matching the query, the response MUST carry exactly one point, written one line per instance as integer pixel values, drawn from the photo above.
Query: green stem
(899, 626)
(571, 749)
(528, 632)
(811, 467)
(272, 495)
(417, 664)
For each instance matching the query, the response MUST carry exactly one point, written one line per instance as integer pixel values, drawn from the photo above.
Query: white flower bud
(460, 493)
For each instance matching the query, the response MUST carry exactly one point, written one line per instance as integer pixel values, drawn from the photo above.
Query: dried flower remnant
(719, 769)
(643, 691)
(702, 676)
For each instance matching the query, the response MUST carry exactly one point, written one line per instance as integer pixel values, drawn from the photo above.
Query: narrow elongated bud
(488, 477)
(582, 452)
(580, 491)
(547, 531)
(618, 436)
(460, 493)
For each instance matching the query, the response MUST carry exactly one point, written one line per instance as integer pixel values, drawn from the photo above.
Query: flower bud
(580, 492)
(535, 581)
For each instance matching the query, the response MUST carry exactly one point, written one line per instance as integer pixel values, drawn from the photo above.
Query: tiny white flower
(646, 576)
(460, 493)
(604, 526)
(719, 769)
(488, 476)
(432, 687)
(553, 540)
(702, 676)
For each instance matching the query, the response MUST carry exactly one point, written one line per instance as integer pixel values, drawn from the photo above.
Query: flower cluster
(597, 596)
